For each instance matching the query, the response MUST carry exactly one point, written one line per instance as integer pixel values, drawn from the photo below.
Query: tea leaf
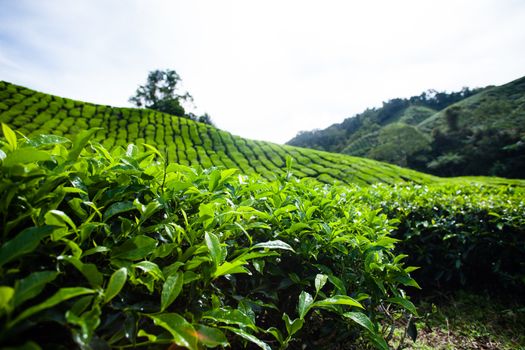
(61, 295)
(249, 337)
(115, 284)
(361, 319)
(24, 243)
(320, 281)
(305, 303)
(135, 248)
(80, 141)
(182, 332)
(214, 246)
(25, 156)
(274, 245)
(407, 304)
(211, 337)
(6, 294)
(338, 300)
(171, 290)
(29, 287)
(10, 136)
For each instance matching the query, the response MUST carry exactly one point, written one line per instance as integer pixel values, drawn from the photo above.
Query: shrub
(463, 234)
(133, 252)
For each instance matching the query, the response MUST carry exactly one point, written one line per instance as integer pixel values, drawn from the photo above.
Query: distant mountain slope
(471, 132)
(184, 140)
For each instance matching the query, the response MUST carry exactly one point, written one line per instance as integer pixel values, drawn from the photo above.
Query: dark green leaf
(249, 337)
(24, 243)
(118, 208)
(29, 287)
(135, 248)
(61, 295)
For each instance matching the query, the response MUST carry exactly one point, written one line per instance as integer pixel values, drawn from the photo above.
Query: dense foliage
(121, 249)
(461, 235)
(472, 132)
(184, 141)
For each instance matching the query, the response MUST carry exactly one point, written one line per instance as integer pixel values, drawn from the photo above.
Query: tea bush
(460, 234)
(122, 250)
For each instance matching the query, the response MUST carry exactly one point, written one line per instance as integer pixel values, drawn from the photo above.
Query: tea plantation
(190, 237)
(184, 141)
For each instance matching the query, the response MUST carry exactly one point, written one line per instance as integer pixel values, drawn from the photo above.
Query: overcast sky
(263, 69)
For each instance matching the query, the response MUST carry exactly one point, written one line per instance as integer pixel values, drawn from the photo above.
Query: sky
(267, 69)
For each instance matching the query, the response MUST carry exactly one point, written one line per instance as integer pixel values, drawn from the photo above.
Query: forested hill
(470, 132)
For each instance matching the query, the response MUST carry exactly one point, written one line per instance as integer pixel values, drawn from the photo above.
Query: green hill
(191, 143)
(185, 141)
(471, 132)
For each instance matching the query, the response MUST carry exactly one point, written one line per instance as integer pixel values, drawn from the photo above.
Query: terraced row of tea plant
(184, 141)
(119, 249)
(115, 250)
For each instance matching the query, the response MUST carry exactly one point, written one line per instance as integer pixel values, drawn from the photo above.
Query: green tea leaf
(361, 319)
(135, 248)
(277, 244)
(24, 243)
(182, 332)
(61, 295)
(214, 246)
(115, 284)
(6, 294)
(47, 140)
(10, 136)
(29, 287)
(320, 281)
(150, 268)
(229, 268)
(287, 209)
(59, 218)
(211, 337)
(25, 156)
(80, 142)
(118, 208)
(89, 271)
(407, 304)
(294, 326)
(230, 316)
(338, 300)
(171, 290)
(249, 337)
(305, 303)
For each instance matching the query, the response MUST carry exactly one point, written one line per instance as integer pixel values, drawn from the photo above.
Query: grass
(465, 320)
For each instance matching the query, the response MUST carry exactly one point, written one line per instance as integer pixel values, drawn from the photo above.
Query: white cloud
(263, 70)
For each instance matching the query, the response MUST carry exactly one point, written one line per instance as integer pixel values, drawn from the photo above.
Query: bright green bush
(115, 250)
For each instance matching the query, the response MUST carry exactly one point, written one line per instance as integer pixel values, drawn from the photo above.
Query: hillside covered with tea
(184, 141)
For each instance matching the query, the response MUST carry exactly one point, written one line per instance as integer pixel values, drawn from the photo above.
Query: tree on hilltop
(162, 93)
